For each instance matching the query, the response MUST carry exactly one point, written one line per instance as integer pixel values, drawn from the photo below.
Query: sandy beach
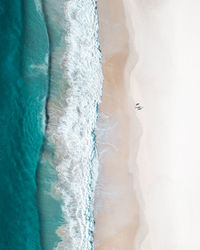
(147, 195)
(116, 202)
(166, 81)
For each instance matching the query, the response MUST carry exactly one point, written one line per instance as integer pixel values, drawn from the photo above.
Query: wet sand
(116, 202)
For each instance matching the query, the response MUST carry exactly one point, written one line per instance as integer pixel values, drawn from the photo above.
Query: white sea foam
(38, 5)
(73, 128)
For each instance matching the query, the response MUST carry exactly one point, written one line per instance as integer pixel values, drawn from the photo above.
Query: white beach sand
(162, 72)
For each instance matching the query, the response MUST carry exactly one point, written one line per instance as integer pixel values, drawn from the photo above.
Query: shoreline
(76, 86)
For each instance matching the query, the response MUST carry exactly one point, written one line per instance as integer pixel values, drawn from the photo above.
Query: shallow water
(49, 202)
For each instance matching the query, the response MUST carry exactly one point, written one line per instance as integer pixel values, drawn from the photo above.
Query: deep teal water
(24, 49)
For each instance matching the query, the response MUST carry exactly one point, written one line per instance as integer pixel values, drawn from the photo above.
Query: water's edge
(69, 164)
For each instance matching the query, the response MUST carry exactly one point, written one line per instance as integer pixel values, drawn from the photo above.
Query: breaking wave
(75, 92)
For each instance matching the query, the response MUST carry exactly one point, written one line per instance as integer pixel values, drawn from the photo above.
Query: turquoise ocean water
(70, 145)
(50, 87)
(24, 49)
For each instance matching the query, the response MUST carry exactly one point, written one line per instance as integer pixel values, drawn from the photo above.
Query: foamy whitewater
(72, 121)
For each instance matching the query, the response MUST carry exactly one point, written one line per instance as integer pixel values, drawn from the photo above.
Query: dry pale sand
(166, 37)
(148, 193)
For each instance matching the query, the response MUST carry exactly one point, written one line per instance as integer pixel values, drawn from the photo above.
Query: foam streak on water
(74, 133)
